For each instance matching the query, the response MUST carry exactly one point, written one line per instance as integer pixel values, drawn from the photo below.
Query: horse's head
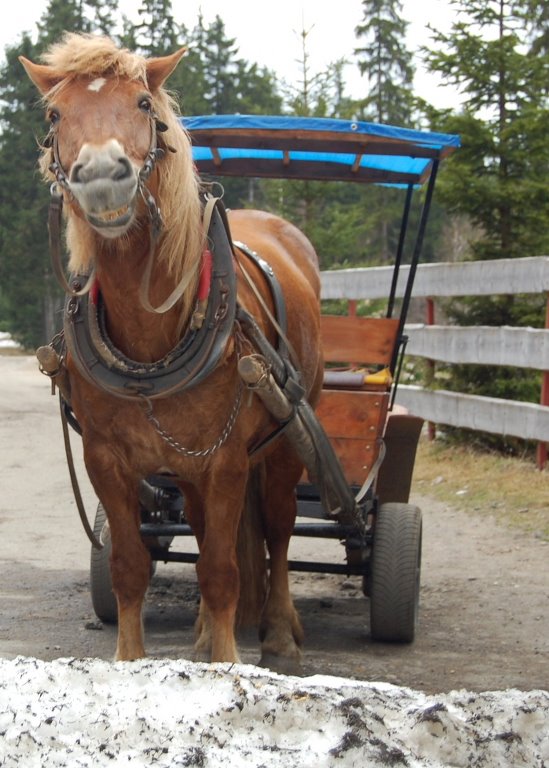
(106, 107)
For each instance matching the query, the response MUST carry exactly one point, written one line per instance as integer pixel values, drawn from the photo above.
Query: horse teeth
(113, 215)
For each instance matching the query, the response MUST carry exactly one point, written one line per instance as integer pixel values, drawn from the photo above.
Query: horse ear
(44, 78)
(159, 69)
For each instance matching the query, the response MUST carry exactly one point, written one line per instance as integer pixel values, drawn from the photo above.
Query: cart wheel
(395, 573)
(103, 599)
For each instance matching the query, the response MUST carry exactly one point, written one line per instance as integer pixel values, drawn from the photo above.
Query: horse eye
(145, 105)
(54, 116)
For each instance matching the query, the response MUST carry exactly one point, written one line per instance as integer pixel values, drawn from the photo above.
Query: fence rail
(486, 414)
(483, 345)
(463, 278)
(517, 347)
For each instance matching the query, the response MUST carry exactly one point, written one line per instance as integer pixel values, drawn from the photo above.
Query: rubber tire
(103, 599)
(395, 573)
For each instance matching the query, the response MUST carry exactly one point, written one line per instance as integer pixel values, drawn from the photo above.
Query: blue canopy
(315, 148)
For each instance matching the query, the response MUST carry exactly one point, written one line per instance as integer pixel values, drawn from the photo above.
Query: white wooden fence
(520, 347)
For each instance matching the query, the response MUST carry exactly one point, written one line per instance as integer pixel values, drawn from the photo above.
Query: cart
(374, 442)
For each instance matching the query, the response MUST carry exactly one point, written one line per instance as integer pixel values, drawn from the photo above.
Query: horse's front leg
(217, 569)
(131, 571)
(130, 559)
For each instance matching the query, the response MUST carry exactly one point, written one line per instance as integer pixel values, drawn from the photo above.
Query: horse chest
(184, 432)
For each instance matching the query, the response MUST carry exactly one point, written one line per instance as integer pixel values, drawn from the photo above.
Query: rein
(96, 544)
(186, 280)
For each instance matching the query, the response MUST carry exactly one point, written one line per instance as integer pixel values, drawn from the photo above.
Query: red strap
(205, 275)
(94, 292)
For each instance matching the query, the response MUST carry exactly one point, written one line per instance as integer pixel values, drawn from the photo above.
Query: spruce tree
(103, 16)
(31, 299)
(27, 287)
(325, 212)
(214, 79)
(536, 17)
(156, 33)
(386, 64)
(499, 179)
(383, 57)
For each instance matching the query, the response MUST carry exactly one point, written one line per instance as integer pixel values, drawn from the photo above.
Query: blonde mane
(182, 236)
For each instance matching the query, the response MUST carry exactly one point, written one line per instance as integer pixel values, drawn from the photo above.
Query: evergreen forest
(492, 198)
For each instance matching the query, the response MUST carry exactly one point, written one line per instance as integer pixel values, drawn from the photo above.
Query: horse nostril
(75, 173)
(122, 170)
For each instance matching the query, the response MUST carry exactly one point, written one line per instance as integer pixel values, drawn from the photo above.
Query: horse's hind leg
(281, 633)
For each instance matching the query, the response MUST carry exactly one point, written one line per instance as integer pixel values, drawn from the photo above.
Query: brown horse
(122, 165)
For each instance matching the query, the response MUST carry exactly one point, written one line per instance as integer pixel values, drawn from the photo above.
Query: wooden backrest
(368, 340)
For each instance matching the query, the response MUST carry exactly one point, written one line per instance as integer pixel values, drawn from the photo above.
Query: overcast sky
(269, 32)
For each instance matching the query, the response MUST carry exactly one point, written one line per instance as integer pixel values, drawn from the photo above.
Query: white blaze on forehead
(97, 84)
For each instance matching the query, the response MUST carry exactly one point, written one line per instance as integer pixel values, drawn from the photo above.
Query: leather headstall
(185, 366)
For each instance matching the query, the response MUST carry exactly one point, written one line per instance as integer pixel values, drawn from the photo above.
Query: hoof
(201, 657)
(283, 665)
(129, 656)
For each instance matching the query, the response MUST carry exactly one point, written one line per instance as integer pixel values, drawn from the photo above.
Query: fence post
(541, 454)
(431, 427)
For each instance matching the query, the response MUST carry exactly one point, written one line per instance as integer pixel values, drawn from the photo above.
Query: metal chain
(171, 441)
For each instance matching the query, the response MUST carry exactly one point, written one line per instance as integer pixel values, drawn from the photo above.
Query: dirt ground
(484, 618)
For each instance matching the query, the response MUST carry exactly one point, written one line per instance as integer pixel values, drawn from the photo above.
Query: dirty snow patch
(177, 713)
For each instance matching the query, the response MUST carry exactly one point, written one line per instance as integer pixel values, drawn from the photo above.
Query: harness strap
(176, 294)
(187, 278)
(279, 322)
(272, 280)
(74, 480)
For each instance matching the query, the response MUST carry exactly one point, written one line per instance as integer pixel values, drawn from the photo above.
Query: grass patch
(511, 490)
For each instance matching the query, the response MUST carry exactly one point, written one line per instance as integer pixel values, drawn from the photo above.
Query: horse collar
(185, 366)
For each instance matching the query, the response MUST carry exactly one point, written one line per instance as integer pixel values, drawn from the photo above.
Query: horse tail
(251, 554)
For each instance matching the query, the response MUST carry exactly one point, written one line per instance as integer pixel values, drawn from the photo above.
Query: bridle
(61, 185)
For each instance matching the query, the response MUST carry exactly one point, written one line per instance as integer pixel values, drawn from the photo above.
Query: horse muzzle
(104, 182)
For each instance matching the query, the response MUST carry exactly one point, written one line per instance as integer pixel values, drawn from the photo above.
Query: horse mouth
(114, 219)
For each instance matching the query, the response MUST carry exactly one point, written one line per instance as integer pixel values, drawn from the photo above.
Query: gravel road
(484, 618)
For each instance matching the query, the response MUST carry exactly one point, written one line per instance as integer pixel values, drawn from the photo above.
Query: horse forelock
(85, 54)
